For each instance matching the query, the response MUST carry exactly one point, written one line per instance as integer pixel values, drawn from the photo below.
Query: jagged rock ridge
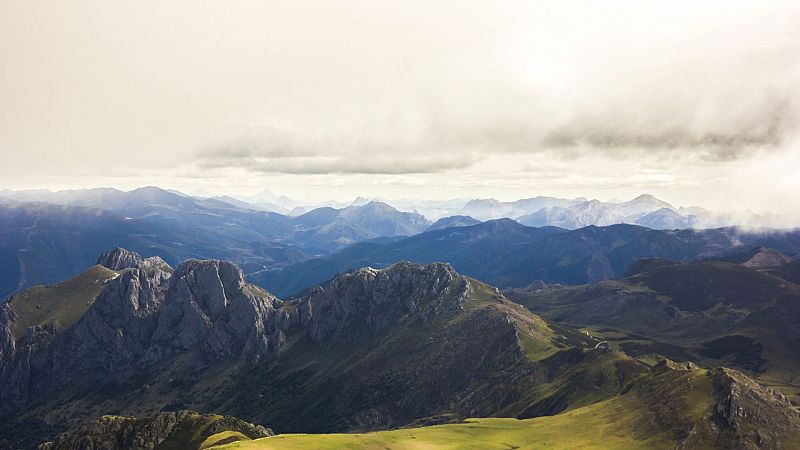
(205, 308)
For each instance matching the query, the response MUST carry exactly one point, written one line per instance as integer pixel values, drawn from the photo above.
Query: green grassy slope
(64, 302)
(669, 407)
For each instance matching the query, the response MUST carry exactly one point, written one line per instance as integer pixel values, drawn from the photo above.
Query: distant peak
(119, 258)
(649, 199)
(150, 189)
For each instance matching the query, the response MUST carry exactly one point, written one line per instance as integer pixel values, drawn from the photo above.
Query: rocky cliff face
(751, 415)
(180, 430)
(369, 300)
(140, 318)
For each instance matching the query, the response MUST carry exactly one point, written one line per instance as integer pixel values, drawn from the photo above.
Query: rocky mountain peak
(373, 299)
(119, 258)
(214, 281)
(208, 302)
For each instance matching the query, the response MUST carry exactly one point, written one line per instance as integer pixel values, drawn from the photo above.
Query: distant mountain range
(47, 236)
(644, 210)
(508, 254)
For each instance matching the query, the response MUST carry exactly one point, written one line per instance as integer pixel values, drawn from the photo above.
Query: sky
(696, 102)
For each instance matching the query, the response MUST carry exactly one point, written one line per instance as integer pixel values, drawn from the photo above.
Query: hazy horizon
(418, 100)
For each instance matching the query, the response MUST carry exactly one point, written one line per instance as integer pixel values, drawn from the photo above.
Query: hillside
(712, 312)
(469, 249)
(63, 302)
(452, 221)
(668, 407)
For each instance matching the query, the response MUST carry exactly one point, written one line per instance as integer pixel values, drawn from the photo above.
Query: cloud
(273, 150)
(712, 105)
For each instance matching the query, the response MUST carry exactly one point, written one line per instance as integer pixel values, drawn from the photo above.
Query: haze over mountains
(574, 213)
(48, 236)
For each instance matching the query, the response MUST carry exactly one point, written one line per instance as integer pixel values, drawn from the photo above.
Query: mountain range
(79, 224)
(508, 254)
(644, 209)
(371, 349)
(43, 242)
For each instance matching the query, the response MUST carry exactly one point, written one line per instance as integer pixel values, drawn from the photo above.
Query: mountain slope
(328, 228)
(712, 312)
(453, 221)
(43, 243)
(63, 302)
(756, 257)
(789, 271)
(469, 249)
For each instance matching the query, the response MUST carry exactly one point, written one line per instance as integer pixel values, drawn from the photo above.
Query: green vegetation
(676, 396)
(222, 438)
(711, 313)
(669, 407)
(63, 302)
(585, 428)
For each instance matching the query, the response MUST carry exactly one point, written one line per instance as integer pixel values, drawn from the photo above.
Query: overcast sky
(696, 102)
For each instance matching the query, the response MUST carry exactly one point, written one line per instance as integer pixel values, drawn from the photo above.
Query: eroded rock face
(370, 300)
(751, 415)
(210, 303)
(119, 259)
(141, 317)
(182, 429)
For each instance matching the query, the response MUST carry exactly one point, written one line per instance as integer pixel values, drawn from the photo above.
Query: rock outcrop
(140, 318)
(370, 300)
(183, 429)
(119, 259)
(715, 408)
